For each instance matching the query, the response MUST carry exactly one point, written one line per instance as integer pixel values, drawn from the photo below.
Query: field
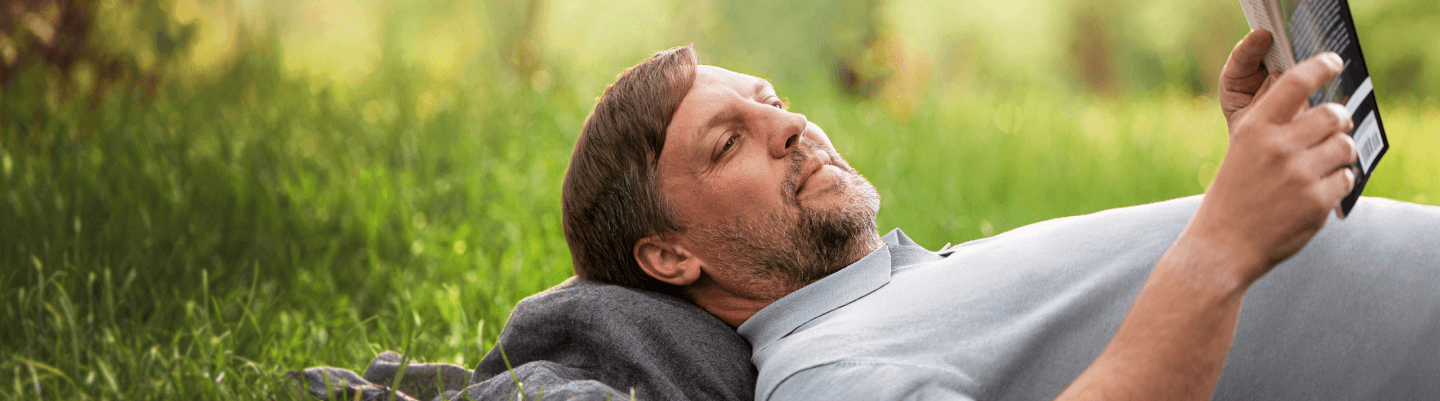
(312, 183)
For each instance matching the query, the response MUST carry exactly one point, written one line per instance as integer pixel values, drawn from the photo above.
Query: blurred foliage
(201, 194)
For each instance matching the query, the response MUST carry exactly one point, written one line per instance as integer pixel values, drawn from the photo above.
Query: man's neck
(735, 308)
(731, 308)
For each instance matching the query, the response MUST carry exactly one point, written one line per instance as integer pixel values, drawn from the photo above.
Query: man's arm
(1285, 169)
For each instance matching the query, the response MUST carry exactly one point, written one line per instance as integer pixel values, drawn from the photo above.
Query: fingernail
(1334, 59)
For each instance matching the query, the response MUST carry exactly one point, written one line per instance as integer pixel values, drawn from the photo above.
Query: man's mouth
(814, 166)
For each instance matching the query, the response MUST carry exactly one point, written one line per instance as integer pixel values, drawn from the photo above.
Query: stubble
(778, 254)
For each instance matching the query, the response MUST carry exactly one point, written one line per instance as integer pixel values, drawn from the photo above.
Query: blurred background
(199, 195)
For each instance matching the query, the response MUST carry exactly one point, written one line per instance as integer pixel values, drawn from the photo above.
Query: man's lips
(812, 166)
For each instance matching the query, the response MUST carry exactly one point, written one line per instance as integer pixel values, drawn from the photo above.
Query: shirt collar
(855, 281)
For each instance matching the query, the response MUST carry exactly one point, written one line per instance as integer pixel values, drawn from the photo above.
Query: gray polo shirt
(1355, 315)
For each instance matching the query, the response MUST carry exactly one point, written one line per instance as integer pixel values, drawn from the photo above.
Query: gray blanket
(580, 340)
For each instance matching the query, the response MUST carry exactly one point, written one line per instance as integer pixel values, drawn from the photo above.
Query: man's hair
(611, 197)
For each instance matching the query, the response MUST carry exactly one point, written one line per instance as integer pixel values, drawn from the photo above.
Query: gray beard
(796, 251)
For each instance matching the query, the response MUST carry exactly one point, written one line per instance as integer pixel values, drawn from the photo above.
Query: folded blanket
(580, 340)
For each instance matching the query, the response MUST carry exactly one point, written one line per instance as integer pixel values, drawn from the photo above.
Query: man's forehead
(714, 75)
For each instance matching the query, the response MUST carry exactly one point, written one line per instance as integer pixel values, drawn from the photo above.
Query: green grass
(200, 241)
(152, 244)
(192, 245)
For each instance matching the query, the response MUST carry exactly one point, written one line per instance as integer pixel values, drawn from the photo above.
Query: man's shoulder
(1099, 233)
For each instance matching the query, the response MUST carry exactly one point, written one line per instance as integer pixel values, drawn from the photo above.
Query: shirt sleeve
(872, 381)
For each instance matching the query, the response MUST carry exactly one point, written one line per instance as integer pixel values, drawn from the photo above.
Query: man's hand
(1287, 166)
(1245, 78)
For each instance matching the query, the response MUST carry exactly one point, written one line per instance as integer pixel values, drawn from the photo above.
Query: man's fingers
(1245, 60)
(1335, 186)
(1334, 160)
(1318, 123)
(1243, 73)
(1347, 180)
(1289, 94)
(1336, 152)
(1269, 82)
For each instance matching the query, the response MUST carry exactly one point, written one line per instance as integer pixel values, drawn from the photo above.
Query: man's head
(745, 197)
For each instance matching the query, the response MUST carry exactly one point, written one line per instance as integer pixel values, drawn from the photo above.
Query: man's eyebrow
(761, 85)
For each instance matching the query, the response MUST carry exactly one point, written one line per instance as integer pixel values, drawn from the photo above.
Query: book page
(1265, 14)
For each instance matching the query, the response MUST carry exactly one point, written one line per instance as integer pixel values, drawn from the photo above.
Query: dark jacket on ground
(580, 340)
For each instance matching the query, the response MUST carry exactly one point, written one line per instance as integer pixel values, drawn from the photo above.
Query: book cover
(1304, 28)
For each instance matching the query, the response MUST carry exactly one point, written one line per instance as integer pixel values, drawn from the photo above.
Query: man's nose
(786, 131)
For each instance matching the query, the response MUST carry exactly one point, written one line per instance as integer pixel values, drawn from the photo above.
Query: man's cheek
(721, 200)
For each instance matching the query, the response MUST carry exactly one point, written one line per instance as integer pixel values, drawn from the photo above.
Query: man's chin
(856, 200)
(838, 230)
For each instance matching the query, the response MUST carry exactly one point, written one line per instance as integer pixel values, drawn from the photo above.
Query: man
(696, 181)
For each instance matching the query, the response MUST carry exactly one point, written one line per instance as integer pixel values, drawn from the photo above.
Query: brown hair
(611, 197)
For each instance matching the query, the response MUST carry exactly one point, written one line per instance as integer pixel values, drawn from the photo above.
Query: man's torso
(1019, 315)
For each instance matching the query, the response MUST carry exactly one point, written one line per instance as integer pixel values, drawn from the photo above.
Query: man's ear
(667, 260)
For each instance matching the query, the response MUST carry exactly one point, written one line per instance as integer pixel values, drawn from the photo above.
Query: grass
(152, 245)
(200, 241)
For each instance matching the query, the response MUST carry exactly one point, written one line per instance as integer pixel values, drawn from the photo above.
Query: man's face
(764, 198)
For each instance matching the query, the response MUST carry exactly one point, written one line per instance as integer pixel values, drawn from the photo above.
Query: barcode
(1367, 138)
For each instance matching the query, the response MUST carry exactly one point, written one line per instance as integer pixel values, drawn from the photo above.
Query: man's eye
(728, 144)
(779, 105)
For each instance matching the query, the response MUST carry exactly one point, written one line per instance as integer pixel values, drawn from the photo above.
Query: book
(1304, 28)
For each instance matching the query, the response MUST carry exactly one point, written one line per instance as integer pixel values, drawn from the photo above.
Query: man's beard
(797, 250)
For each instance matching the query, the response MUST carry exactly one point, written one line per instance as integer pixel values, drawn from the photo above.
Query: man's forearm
(1174, 341)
